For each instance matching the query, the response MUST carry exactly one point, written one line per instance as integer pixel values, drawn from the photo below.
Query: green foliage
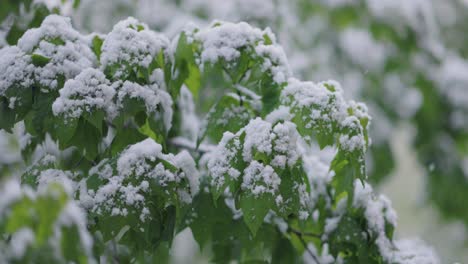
(229, 114)
(34, 218)
(111, 111)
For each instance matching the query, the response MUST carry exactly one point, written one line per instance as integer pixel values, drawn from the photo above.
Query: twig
(78, 163)
(300, 235)
(308, 249)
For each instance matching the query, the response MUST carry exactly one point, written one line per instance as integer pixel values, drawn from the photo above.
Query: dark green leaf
(39, 60)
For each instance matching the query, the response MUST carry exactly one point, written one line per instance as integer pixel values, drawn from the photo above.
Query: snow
(329, 112)
(87, 92)
(185, 161)
(274, 61)
(134, 157)
(151, 95)
(282, 113)
(362, 49)
(258, 138)
(276, 137)
(259, 179)
(11, 192)
(329, 104)
(68, 57)
(405, 99)
(15, 69)
(226, 41)
(219, 161)
(20, 241)
(414, 251)
(190, 123)
(277, 145)
(64, 178)
(323, 257)
(453, 80)
(141, 162)
(90, 91)
(352, 143)
(378, 212)
(131, 42)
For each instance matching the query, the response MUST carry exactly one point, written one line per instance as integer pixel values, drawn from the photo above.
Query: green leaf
(156, 124)
(383, 160)
(56, 41)
(40, 120)
(284, 252)
(193, 80)
(97, 46)
(255, 209)
(270, 96)
(7, 115)
(64, 129)
(202, 218)
(229, 114)
(39, 60)
(187, 69)
(95, 118)
(123, 138)
(87, 138)
(76, 4)
(14, 33)
(353, 243)
(72, 250)
(343, 181)
(290, 179)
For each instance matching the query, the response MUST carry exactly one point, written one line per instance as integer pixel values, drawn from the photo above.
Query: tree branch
(301, 235)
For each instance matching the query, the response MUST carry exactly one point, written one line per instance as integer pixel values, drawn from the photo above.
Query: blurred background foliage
(406, 59)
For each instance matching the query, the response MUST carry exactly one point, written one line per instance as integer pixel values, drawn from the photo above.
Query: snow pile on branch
(155, 99)
(89, 91)
(228, 42)
(16, 71)
(259, 179)
(257, 157)
(130, 45)
(64, 50)
(142, 170)
(320, 109)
